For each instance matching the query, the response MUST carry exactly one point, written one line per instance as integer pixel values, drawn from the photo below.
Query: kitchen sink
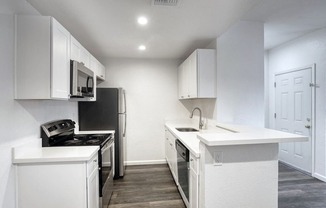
(186, 129)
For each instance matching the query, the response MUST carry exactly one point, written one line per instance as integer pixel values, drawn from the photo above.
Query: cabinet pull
(95, 161)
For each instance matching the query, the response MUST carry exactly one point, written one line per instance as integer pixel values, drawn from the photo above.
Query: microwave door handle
(89, 88)
(87, 84)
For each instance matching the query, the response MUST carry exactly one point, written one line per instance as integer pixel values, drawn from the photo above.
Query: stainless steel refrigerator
(108, 112)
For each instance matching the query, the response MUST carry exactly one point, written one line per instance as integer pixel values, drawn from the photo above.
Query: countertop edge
(25, 158)
(251, 141)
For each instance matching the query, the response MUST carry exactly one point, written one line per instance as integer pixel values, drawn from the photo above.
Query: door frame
(313, 108)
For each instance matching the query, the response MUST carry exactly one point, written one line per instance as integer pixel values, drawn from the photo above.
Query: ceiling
(109, 28)
(286, 20)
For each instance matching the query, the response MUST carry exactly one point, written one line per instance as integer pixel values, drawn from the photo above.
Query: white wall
(151, 90)
(307, 50)
(19, 120)
(240, 74)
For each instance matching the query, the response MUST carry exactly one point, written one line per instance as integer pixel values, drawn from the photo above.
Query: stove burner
(93, 141)
(73, 142)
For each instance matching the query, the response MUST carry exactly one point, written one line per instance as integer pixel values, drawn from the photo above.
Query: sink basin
(186, 129)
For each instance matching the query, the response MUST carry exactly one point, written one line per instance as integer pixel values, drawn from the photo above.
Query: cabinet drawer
(193, 163)
(92, 164)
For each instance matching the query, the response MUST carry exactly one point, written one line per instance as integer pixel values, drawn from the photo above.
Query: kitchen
(151, 85)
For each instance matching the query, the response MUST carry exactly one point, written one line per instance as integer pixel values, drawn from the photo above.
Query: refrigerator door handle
(125, 125)
(125, 113)
(125, 101)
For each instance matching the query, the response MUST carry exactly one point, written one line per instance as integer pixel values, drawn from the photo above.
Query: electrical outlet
(218, 158)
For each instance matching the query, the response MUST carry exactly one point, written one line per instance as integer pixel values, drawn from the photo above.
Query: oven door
(106, 173)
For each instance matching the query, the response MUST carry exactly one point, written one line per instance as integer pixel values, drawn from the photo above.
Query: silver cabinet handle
(307, 126)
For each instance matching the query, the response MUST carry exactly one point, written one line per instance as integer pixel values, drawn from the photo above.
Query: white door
(293, 103)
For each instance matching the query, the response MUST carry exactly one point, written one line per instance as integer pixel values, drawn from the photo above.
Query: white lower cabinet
(171, 154)
(193, 182)
(171, 158)
(58, 184)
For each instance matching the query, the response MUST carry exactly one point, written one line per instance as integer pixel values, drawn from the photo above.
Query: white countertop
(229, 134)
(53, 154)
(241, 135)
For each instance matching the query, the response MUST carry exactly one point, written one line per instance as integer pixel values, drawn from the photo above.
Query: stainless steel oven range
(61, 133)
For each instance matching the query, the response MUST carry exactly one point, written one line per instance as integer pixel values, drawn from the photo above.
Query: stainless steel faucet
(200, 118)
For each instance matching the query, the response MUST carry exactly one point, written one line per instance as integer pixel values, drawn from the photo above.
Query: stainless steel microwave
(81, 81)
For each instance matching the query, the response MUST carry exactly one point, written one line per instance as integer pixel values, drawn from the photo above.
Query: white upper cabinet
(79, 53)
(197, 75)
(75, 49)
(60, 73)
(101, 74)
(42, 59)
(98, 69)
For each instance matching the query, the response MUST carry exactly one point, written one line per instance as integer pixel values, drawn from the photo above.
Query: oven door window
(107, 161)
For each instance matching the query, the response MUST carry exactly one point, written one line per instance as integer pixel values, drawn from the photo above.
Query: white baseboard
(145, 162)
(320, 177)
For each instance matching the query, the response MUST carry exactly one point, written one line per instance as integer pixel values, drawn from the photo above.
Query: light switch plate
(218, 158)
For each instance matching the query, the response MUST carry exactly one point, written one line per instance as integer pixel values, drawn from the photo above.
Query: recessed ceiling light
(142, 48)
(142, 20)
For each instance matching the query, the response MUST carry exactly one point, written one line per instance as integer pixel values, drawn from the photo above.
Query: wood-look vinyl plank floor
(152, 186)
(148, 186)
(299, 190)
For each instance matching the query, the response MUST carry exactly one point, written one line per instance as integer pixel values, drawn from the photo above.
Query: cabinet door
(193, 181)
(172, 155)
(167, 146)
(182, 81)
(94, 65)
(192, 75)
(101, 71)
(60, 65)
(174, 162)
(193, 189)
(85, 57)
(93, 190)
(74, 49)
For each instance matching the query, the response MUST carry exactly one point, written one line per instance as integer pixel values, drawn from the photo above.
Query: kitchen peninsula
(229, 166)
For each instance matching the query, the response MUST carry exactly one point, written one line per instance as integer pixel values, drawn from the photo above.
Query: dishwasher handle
(182, 150)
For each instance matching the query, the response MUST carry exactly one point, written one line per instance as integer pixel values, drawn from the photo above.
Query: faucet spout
(200, 117)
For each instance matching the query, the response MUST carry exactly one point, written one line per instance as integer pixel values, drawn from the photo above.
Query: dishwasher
(183, 169)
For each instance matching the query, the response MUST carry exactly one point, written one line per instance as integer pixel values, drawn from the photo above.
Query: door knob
(307, 126)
